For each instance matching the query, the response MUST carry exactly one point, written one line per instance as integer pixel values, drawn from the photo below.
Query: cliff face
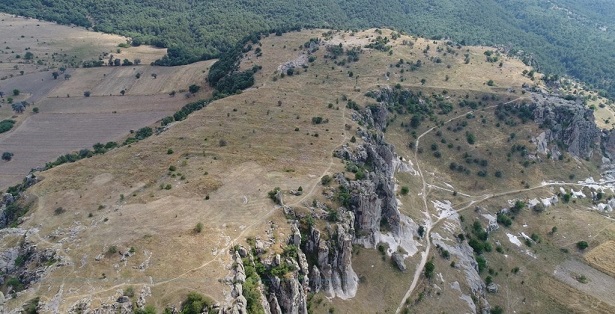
(568, 125)
(332, 271)
(372, 199)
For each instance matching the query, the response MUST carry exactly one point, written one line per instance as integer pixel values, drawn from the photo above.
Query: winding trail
(430, 225)
(232, 242)
(429, 222)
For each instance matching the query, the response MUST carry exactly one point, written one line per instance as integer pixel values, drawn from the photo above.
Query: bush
(198, 228)
(405, 190)
(317, 120)
(195, 304)
(539, 207)
(129, 292)
(7, 156)
(326, 180)
(582, 245)
(504, 220)
(59, 211)
(193, 89)
(87, 93)
(112, 250)
(429, 269)
(496, 310)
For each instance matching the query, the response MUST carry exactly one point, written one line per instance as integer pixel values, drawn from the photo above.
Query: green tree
(193, 89)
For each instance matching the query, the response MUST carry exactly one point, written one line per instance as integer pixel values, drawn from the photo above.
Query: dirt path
(429, 223)
(232, 242)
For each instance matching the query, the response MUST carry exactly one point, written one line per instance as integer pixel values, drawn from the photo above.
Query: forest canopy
(574, 37)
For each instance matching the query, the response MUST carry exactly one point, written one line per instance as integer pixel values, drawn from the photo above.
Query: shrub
(504, 220)
(129, 292)
(582, 245)
(317, 120)
(429, 269)
(193, 89)
(7, 156)
(539, 207)
(326, 180)
(198, 228)
(496, 310)
(273, 194)
(172, 168)
(405, 190)
(112, 250)
(194, 304)
(59, 211)
(87, 93)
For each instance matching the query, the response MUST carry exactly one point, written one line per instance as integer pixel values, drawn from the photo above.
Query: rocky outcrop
(568, 125)
(9, 208)
(332, 272)
(27, 263)
(239, 304)
(398, 259)
(372, 199)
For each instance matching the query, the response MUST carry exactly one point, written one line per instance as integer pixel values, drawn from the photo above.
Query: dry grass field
(227, 156)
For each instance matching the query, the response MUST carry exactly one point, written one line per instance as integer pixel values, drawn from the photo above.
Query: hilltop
(557, 36)
(363, 171)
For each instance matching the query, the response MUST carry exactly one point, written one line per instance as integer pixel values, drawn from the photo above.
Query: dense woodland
(576, 37)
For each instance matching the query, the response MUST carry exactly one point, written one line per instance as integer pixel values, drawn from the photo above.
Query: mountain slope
(382, 175)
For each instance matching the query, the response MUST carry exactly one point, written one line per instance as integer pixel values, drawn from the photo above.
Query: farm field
(45, 136)
(53, 46)
(67, 121)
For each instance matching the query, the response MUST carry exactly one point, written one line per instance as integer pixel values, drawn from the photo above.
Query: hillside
(557, 36)
(363, 172)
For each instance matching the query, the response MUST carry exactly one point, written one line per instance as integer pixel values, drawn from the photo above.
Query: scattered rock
(398, 259)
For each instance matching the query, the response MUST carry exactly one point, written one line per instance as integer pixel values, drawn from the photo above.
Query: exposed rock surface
(567, 123)
(398, 259)
(26, 262)
(372, 199)
(333, 271)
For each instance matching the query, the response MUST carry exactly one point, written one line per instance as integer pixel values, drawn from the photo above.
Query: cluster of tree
(558, 41)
